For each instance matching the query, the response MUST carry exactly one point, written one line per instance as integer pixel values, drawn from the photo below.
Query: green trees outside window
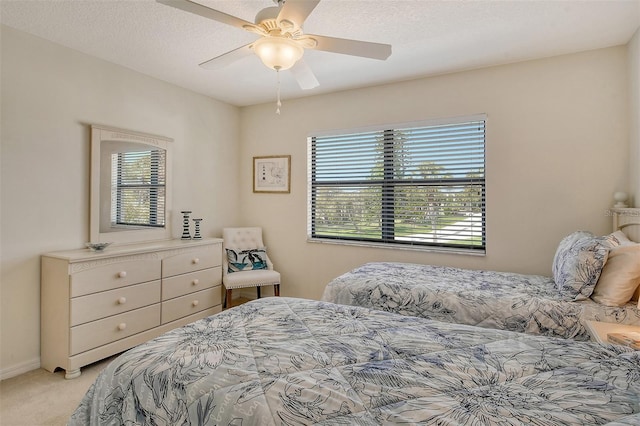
(416, 185)
(138, 188)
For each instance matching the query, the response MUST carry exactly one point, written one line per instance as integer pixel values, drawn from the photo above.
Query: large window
(415, 185)
(138, 188)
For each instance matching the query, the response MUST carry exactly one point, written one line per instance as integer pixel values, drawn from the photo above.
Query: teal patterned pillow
(577, 266)
(246, 260)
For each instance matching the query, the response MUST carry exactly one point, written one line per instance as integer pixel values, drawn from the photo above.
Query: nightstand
(599, 330)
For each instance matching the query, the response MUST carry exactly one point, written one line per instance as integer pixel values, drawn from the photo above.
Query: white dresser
(97, 304)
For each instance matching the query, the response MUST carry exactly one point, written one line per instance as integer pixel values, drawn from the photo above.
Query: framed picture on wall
(272, 174)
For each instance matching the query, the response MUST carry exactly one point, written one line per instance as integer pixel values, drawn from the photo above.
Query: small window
(138, 188)
(417, 185)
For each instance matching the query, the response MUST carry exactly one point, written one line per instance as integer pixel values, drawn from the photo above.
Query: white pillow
(620, 276)
(621, 238)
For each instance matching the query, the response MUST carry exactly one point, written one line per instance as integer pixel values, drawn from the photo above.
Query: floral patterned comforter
(291, 361)
(501, 300)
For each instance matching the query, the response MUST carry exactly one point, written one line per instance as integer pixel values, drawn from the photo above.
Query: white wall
(557, 146)
(634, 113)
(50, 95)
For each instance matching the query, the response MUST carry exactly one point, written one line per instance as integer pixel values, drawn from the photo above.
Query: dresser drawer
(113, 302)
(97, 304)
(190, 304)
(194, 260)
(180, 285)
(98, 333)
(114, 275)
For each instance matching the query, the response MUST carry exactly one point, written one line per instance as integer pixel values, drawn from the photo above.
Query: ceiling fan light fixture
(278, 53)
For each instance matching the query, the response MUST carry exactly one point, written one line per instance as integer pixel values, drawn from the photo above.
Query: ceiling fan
(282, 41)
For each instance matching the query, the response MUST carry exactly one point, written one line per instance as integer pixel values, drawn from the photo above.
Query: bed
(594, 278)
(291, 361)
(501, 300)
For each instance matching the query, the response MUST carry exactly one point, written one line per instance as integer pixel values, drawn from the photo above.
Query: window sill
(427, 249)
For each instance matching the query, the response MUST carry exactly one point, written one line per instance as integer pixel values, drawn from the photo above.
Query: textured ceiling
(428, 38)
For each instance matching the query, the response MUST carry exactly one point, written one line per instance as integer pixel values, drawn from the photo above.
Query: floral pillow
(246, 260)
(565, 245)
(578, 264)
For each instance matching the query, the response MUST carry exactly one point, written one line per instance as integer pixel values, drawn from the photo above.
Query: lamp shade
(279, 53)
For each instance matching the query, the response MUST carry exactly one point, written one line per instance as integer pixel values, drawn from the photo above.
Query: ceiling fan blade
(206, 12)
(228, 58)
(296, 11)
(303, 75)
(351, 47)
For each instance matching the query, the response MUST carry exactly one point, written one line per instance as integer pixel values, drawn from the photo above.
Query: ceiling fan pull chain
(278, 104)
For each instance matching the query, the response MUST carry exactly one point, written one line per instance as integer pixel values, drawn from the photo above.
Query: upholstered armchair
(245, 262)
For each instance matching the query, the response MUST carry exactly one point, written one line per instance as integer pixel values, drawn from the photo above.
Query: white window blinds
(416, 185)
(138, 188)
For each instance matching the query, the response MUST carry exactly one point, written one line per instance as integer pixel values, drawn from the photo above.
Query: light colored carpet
(42, 398)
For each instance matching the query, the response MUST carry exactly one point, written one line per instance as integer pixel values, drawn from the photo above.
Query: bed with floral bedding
(501, 300)
(594, 278)
(285, 361)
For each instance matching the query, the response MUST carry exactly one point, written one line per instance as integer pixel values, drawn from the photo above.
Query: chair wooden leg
(227, 299)
(276, 289)
(258, 291)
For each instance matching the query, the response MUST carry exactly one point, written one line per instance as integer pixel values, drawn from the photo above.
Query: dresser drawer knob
(196, 261)
(196, 281)
(122, 326)
(195, 303)
(122, 274)
(122, 300)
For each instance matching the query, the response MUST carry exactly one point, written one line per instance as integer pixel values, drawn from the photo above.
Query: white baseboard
(19, 369)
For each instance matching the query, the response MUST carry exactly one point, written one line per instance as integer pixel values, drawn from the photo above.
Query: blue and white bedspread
(283, 361)
(501, 300)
